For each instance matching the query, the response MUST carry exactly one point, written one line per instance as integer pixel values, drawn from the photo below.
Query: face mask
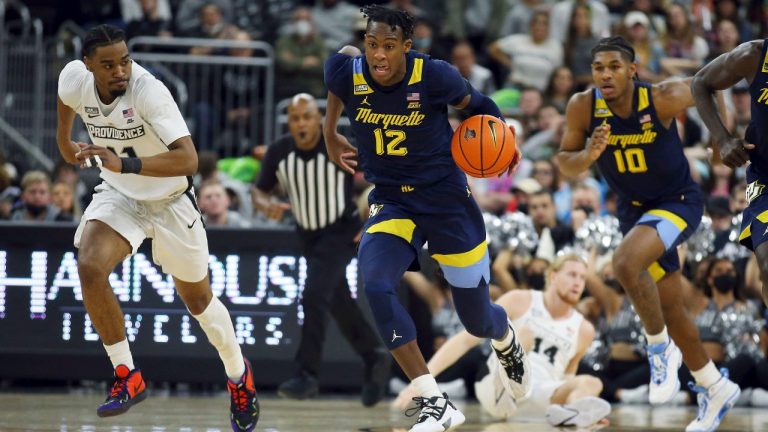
(522, 208)
(586, 209)
(614, 284)
(303, 28)
(35, 210)
(422, 43)
(725, 283)
(536, 281)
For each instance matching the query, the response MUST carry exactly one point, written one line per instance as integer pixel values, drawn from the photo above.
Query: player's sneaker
(436, 414)
(665, 360)
(492, 394)
(714, 403)
(580, 413)
(514, 362)
(244, 405)
(128, 390)
(302, 386)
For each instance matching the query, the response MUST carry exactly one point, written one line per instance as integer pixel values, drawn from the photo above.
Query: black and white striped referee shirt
(320, 192)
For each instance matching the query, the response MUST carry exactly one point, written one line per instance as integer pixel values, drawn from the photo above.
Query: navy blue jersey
(644, 160)
(402, 131)
(757, 130)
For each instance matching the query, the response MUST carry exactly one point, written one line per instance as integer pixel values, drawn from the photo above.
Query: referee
(321, 200)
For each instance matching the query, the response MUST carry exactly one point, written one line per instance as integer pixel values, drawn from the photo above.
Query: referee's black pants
(326, 292)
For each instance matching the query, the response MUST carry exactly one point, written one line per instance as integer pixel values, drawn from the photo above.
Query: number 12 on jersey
(632, 160)
(395, 138)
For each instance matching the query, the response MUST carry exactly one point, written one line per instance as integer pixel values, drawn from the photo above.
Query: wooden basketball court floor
(163, 413)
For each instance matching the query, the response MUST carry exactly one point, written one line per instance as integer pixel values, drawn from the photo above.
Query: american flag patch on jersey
(412, 96)
(128, 113)
(645, 119)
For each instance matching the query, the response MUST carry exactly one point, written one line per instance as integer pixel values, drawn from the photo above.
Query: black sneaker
(244, 404)
(302, 386)
(436, 414)
(376, 378)
(514, 364)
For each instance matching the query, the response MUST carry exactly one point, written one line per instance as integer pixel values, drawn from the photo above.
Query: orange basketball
(483, 146)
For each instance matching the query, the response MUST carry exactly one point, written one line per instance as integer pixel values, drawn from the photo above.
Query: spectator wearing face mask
(300, 56)
(36, 203)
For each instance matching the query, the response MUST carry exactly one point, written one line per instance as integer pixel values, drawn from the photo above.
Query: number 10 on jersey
(632, 160)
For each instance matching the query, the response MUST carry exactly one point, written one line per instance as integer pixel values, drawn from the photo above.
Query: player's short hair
(394, 18)
(615, 43)
(102, 35)
(560, 261)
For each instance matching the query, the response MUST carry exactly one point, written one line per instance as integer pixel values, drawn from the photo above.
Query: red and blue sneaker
(128, 390)
(244, 406)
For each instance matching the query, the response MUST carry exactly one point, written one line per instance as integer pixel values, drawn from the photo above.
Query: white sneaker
(635, 396)
(514, 364)
(665, 360)
(436, 414)
(714, 403)
(759, 398)
(581, 413)
(492, 394)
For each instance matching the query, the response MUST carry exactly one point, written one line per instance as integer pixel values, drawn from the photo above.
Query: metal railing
(228, 91)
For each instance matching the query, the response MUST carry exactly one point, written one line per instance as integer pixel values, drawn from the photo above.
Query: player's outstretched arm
(180, 160)
(575, 156)
(586, 336)
(341, 152)
(723, 72)
(65, 118)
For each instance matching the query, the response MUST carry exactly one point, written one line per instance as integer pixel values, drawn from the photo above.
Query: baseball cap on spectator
(718, 207)
(635, 17)
(527, 185)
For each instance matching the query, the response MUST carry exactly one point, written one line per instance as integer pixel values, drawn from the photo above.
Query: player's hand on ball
(405, 397)
(599, 141)
(515, 163)
(92, 156)
(341, 152)
(733, 152)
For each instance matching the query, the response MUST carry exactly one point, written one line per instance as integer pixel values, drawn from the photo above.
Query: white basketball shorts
(179, 243)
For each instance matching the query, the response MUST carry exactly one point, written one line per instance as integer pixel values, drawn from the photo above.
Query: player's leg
(761, 252)
(183, 252)
(383, 258)
(575, 403)
(109, 232)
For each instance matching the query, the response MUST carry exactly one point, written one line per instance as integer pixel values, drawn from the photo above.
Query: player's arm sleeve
(450, 88)
(267, 179)
(157, 107)
(71, 81)
(336, 73)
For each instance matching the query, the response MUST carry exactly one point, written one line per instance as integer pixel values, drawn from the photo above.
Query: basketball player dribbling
(628, 127)
(397, 102)
(146, 156)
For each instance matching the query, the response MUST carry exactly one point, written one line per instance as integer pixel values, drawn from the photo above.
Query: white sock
(707, 375)
(426, 386)
(662, 337)
(505, 342)
(120, 354)
(217, 325)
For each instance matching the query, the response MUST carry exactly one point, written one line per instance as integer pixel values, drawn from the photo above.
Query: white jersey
(555, 341)
(142, 122)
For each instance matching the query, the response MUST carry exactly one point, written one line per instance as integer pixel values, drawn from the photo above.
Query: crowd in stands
(530, 56)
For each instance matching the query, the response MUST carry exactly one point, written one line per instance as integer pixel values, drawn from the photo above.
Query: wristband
(131, 165)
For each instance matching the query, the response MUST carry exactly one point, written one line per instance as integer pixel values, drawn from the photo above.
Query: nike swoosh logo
(493, 132)
(192, 224)
(92, 115)
(565, 421)
(447, 423)
(501, 394)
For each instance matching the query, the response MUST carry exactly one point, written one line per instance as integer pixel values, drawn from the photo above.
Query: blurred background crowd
(530, 56)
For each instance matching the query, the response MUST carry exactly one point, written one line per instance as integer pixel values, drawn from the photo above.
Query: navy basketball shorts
(674, 220)
(443, 215)
(754, 222)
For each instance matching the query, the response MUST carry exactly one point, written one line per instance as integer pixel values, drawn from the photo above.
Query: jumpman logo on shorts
(395, 335)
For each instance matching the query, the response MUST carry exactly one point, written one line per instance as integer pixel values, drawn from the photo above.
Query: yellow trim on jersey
(765, 62)
(418, 64)
(762, 217)
(679, 222)
(359, 84)
(642, 99)
(656, 271)
(402, 228)
(464, 259)
(601, 108)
